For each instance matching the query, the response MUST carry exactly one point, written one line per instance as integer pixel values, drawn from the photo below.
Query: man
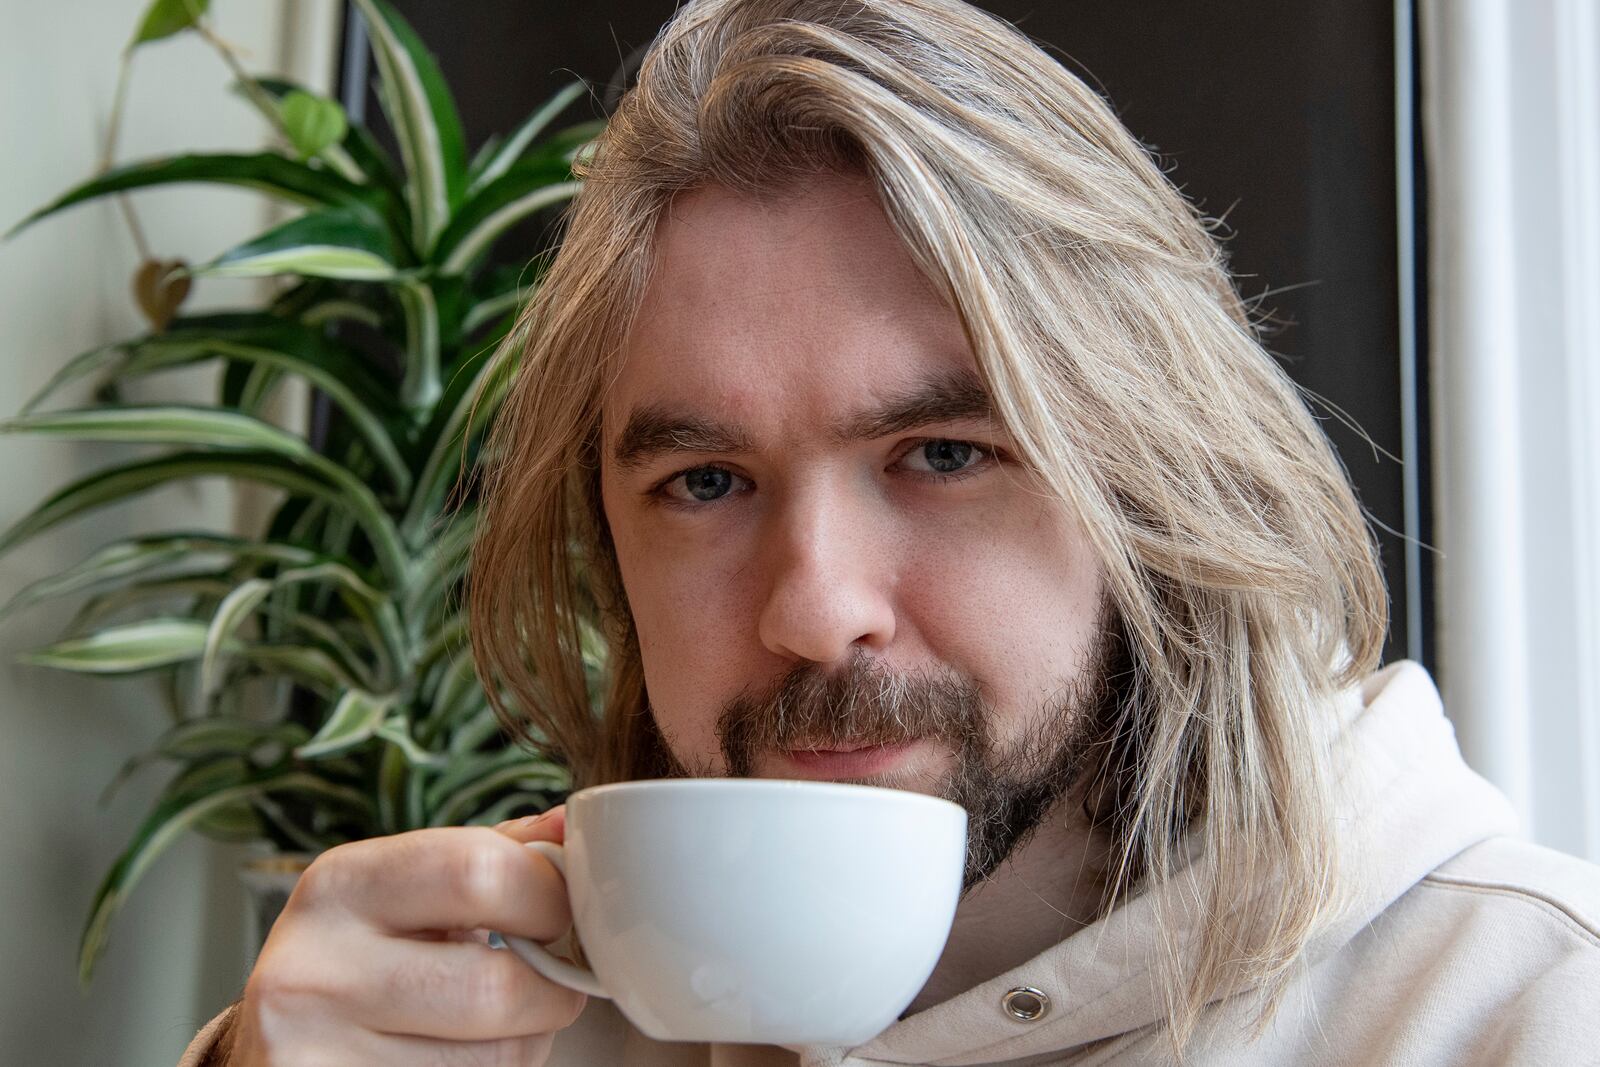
(896, 422)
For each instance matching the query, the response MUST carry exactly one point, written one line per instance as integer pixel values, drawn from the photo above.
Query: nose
(829, 571)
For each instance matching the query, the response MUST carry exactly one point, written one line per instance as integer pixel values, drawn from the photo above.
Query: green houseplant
(320, 685)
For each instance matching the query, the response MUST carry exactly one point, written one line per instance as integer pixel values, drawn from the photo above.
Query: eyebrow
(653, 431)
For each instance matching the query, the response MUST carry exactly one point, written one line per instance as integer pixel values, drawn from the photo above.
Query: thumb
(549, 826)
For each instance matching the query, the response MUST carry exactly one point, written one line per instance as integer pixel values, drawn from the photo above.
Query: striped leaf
(529, 186)
(312, 667)
(511, 806)
(383, 632)
(494, 160)
(470, 400)
(174, 814)
(419, 390)
(315, 633)
(183, 595)
(230, 615)
(526, 774)
(483, 726)
(113, 356)
(374, 608)
(119, 483)
(77, 368)
(266, 172)
(294, 349)
(459, 690)
(205, 738)
(355, 719)
(118, 562)
(440, 565)
(423, 116)
(336, 243)
(191, 425)
(140, 646)
(397, 731)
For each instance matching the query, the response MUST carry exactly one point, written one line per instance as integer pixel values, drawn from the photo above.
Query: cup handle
(542, 959)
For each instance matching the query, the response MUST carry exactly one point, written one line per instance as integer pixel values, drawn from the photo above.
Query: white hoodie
(1464, 946)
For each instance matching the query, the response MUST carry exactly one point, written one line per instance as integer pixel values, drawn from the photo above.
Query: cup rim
(767, 785)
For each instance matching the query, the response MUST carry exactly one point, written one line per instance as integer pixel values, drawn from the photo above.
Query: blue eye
(942, 457)
(947, 457)
(707, 483)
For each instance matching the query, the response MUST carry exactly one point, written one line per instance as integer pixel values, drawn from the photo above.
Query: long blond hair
(1121, 361)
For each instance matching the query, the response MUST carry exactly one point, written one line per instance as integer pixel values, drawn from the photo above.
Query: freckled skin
(784, 316)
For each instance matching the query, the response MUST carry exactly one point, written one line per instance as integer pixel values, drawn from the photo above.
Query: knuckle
(495, 991)
(325, 880)
(282, 981)
(569, 1008)
(482, 874)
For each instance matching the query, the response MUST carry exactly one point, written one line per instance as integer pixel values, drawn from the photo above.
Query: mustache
(861, 703)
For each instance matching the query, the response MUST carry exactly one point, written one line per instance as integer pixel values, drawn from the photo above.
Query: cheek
(693, 616)
(1012, 602)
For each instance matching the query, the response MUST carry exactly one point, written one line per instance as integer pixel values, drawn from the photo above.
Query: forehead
(787, 309)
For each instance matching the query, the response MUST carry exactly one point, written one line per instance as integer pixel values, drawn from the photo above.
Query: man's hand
(380, 955)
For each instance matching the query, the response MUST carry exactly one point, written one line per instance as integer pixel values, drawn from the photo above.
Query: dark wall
(1278, 117)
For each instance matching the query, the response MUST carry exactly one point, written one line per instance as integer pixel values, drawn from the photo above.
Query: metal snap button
(1025, 1003)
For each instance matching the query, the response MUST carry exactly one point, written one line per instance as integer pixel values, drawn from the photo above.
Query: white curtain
(1511, 116)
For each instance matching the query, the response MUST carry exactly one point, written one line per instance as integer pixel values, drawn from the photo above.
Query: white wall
(176, 952)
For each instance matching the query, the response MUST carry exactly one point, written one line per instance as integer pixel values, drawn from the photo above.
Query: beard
(1007, 786)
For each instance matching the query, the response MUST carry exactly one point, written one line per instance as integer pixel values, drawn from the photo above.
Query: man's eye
(944, 457)
(702, 484)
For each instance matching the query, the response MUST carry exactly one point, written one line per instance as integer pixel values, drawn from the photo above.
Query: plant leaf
(266, 172)
(116, 562)
(181, 595)
(526, 774)
(196, 426)
(397, 731)
(529, 186)
(171, 816)
(199, 739)
(510, 805)
(139, 646)
(230, 614)
(312, 666)
(358, 142)
(440, 564)
(493, 164)
(79, 366)
(470, 400)
(335, 243)
(424, 118)
(298, 350)
(312, 122)
(355, 718)
(419, 391)
(163, 18)
(119, 483)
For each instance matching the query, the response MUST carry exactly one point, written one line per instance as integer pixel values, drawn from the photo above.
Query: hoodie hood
(1405, 803)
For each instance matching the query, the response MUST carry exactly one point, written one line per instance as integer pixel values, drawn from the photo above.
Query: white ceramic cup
(756, 910)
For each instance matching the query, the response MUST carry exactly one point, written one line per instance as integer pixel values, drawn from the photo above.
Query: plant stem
(336, 156)
(109, 153)
(260, 99)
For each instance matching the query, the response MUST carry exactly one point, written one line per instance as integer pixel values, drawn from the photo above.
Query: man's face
(835, 565)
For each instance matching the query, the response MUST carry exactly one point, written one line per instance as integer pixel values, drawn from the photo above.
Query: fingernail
(524, 823)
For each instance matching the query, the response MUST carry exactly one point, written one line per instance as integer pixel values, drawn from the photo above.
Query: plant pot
(268, 881)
